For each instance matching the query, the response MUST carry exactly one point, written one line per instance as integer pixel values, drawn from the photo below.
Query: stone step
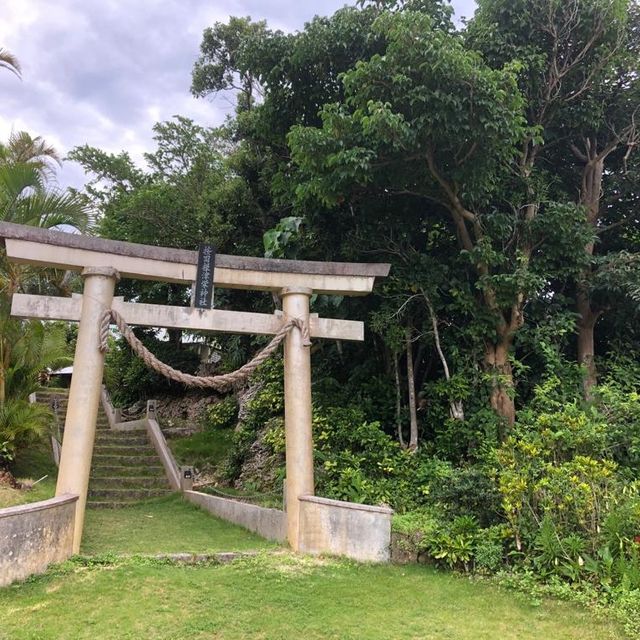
(148, 471)
(121, 438)
(123, 450)
(110, 459)
(110, 504)
(121, 495)
(123, 482)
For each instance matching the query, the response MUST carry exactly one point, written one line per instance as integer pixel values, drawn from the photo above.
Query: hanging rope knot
(303, 327)
(221, 382)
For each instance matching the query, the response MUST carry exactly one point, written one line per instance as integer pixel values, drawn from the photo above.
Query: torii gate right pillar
(297, 410)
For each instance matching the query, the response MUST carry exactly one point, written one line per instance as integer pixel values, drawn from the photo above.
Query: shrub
(490, 548)
(359, 462)
(457, 543)
(223, 414)
(468, 491)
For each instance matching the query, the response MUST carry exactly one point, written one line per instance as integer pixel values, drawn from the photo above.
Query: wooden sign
(204, 277)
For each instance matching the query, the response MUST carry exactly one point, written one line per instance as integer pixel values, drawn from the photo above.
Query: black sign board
(204, 277)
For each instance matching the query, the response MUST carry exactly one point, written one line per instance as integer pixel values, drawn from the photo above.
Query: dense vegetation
(494, 403)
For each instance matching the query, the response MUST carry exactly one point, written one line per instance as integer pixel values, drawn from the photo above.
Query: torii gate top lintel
(75, 252)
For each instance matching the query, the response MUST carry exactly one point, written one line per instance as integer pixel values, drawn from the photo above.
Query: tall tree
(579, 77)
(431, 119)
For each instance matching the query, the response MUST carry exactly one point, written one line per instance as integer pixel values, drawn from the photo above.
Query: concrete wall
(108, 408)
(357, 531)
(268, 523)
(171, 469)
(32, 536)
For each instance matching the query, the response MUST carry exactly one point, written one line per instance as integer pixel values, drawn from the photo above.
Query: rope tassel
(221, 382)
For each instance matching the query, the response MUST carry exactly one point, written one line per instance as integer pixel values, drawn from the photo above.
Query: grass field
(278, 596)
(164, 525)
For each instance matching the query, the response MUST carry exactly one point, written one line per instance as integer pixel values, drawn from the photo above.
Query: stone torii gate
(102, 262)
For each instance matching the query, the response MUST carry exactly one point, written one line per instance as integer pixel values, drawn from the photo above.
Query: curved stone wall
(33, 536)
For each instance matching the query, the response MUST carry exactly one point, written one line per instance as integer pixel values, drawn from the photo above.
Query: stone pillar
(84, 394)
(297, 410)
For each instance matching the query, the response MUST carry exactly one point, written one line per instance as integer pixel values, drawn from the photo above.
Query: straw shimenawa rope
(220, 382)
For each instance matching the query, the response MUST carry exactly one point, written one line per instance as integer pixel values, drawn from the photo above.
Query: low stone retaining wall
(268, 523)
(33, 536)
(171, 469)
(357, 531)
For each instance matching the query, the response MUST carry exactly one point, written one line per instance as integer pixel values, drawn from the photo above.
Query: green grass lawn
(42, 491)
(208, 447)
(279, 597)
(164, 525)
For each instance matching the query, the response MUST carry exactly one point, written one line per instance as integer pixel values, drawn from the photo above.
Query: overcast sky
(103, 72)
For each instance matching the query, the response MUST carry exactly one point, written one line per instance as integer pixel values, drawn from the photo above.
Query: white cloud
(104, 72)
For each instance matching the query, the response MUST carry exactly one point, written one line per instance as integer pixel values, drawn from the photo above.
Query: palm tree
(26, 347)
(9, 61)
(23, 149)
(27, 167)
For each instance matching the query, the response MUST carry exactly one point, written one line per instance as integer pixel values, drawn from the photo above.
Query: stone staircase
(125, 468)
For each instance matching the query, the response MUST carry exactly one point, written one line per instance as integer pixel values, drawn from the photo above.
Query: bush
(21, 423)
(571, 510)
(457, 543)
(266, 405)
(359, 462)
(468, 491)
(222, 415)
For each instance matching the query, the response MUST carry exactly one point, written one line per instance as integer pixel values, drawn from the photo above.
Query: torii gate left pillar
(84, 394)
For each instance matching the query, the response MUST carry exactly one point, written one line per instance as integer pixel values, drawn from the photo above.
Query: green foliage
(456, 543)
(359, 462)
(130, 380)
(21, 423)
(222, 414)
(6, 453)
(467, 491)
(568, 501)
(278, 241)
(263, 409)
(489, 549)
(621, 411)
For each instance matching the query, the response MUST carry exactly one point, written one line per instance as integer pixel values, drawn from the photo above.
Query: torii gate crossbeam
(102, 262)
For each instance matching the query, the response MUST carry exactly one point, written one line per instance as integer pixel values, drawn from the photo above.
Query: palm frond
(10, 62)
(21, 422)
(52, 208)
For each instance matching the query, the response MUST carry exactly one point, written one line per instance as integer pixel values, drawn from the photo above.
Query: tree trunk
(587, 319)
(456, 407)
(5, 351)
(396, 371)
(413, 433)
(498, 366)
(590, 195)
